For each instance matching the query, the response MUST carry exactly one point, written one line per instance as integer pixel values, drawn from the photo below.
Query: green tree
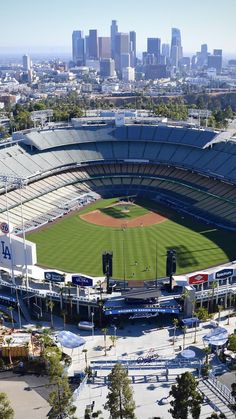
(113, 340)
(50, 305)
(120, 401)
(8, 342)
(6, 411)
(61, 396)
(186, 399)
(202, 314)
(207, 352)
(104, 330)
(232, 342)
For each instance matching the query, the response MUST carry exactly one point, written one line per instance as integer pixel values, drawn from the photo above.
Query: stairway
(218, 401)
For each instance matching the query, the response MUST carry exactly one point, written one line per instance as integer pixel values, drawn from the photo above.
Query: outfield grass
(120, 211)
(74, 245)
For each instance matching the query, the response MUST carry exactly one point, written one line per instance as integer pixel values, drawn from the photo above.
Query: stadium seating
(180, 165)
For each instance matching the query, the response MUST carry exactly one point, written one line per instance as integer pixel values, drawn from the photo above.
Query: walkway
(218, 401)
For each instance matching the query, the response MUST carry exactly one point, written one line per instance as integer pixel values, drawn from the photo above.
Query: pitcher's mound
(101, 219)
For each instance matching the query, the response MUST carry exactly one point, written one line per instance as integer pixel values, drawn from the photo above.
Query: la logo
(5, 251)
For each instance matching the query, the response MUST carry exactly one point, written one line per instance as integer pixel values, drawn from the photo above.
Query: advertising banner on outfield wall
(82, 280)
(198, 278)
(15, 253)
(224, 273)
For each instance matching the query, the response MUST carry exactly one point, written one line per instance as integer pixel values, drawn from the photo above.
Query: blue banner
(142, 310)
(54, 277)
(82, 281)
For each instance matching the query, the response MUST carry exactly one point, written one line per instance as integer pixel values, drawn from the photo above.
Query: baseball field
(138, 232)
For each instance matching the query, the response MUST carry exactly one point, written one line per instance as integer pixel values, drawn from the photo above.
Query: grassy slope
(74, 245)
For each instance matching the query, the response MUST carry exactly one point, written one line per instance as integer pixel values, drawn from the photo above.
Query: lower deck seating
(51, 196)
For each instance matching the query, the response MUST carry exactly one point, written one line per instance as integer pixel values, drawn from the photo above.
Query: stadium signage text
(224, 273)
(54, 277)
(142, 310)
(82, 281)
(198, 279)
(15, 251)
(5, 251)
(4, 227)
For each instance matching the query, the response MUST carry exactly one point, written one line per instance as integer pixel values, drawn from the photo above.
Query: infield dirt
(101, 219)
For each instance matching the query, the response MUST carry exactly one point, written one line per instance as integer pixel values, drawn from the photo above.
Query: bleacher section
(177, 165)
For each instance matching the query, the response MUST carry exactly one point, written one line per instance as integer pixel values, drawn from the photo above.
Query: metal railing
(221, 388)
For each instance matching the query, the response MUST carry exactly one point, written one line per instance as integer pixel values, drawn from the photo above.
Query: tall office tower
(217, 52)
(122, 46)
(124, 60)
(93, 44)
(78, 47)
(204, 49)
(86, 46)
(176, 52)
(128, 74)
(114, 31)
(165, 50)
(107, 67)
(215, 60)
(104, 46)
(26, 62)
(133, 52)
(202, 56)
(148, 59)
(154, 47)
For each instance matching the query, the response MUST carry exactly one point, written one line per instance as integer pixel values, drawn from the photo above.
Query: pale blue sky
(46, 25)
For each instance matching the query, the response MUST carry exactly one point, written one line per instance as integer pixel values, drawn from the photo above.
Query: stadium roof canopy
(47, 139)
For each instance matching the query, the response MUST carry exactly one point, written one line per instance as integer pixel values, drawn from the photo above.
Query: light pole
(92, 314)
(124, 268)
(115, 329)
(156, 263)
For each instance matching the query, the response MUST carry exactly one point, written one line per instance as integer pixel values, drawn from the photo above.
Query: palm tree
(50, 305)
(184, 296)
(175, 323)
(85, 357)
(104, 330)
(45, 340)
(100, 304)
(195, 331)
(68, 285)
(184, 335)
(208, 300)
(220, 308)
(62, 290)
(113, 340)
(8, 342)
(63, 313)
(11, 309)
(207, 351)
(231, 307)
(213, 287)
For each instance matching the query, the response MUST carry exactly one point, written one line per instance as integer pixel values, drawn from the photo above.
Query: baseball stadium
(136, 190)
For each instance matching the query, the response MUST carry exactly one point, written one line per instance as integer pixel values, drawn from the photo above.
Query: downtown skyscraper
(176, 52)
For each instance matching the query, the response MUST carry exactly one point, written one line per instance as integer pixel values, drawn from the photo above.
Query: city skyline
(49, 28)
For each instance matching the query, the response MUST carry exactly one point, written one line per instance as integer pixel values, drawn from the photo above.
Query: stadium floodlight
(19, 182)
(170, 264)
(107, 268)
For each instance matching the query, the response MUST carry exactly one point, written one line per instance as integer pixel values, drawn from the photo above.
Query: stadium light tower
(19, 182)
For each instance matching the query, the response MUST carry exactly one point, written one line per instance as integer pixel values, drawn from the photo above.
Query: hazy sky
(46, 25)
